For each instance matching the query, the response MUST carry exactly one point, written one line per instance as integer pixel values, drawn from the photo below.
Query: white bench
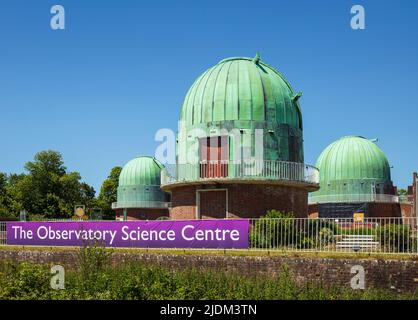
(357, 242)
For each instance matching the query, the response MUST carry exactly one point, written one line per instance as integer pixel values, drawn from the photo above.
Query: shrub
(279, 229)
(36, 217)
(326, 236)
(358, 230)
(314, 226)
(24, 281)
(275, 229)
(396, 238)
(92, 259)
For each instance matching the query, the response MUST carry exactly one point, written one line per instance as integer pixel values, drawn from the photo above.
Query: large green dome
(353, 165)
(241, 89)
(247, 96)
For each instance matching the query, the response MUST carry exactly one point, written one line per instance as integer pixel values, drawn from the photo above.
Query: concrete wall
(399, 275)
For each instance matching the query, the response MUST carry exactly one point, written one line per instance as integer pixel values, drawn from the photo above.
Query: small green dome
(142, 170)
(353, 157)
(353, 165)
(139, 184)
(241, 89)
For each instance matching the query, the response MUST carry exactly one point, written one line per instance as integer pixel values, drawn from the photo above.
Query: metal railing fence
(140, 204)
(376, 235)
(370, 197)
(253, 170)
(3, 235)
(372, 235)
(406, 198)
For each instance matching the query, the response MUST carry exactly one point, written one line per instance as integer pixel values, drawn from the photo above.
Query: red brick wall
(244, 200)
(183, 203)
(142, 213)
(255, 200)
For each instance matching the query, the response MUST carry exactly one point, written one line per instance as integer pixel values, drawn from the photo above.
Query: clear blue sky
(99, 90)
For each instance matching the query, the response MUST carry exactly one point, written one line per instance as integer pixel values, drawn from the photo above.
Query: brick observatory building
(239, 149)
(355, 177)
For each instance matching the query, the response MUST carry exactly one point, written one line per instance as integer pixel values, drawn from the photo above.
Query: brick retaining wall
(399, 275)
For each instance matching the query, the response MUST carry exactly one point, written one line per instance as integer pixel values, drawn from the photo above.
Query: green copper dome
(241, 89)
(353, 165)
(139, 183)
(248, 96)
(142, 170)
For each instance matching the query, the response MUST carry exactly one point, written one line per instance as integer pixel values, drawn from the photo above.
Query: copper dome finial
(257, 58)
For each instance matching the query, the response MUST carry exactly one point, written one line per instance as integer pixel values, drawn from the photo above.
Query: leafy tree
(3, 181)
(50, 190)
(46, 190)
(108, 192)
(402, 192)
(3, 194)
(88, 195)
(9, 195)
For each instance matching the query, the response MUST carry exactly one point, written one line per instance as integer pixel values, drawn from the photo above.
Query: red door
(214, 157)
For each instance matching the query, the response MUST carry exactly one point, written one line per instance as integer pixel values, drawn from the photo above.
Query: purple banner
(223, 234)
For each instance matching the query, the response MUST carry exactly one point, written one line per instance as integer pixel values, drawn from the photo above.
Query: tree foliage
(108, 192)
(46, 189)
(402, 192)
(10, 203)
